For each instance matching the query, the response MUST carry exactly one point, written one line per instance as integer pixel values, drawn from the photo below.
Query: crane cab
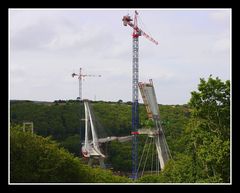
(126, 19)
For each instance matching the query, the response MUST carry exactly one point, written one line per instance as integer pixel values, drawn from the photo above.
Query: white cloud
(50, 45)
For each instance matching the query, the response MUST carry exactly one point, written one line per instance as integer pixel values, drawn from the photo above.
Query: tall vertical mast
(135, 70)
(86, 126)
(80, 83)
(135, 113)
(80, 78)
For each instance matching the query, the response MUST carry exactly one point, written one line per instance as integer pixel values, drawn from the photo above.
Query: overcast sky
(47, 46)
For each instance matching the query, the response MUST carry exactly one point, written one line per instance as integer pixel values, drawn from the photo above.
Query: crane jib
(141, 33)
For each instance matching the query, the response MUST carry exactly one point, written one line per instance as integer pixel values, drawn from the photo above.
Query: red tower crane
(135, 114)
(136, 30)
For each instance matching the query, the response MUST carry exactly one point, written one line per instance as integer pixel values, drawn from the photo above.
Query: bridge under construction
(91, 145)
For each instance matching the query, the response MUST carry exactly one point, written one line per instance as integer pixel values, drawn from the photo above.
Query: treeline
(64, 121)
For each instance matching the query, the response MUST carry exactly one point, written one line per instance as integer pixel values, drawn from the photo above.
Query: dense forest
(198, 135)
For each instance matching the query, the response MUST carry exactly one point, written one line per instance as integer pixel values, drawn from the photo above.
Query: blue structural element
(135, 113)
(134, 157)
(135, 122)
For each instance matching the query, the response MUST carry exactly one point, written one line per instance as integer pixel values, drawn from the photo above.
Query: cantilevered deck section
(150, 101)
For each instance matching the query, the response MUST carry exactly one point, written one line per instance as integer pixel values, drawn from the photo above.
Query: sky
(48, 45)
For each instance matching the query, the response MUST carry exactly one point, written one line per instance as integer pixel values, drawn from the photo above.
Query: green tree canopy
(37, 159)
(206, 156)
(209, 129)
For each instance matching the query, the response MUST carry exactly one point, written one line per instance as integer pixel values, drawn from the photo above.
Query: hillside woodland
(198, 135)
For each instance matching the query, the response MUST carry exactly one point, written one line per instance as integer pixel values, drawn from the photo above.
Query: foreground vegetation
(38, 159)
(198, 135)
